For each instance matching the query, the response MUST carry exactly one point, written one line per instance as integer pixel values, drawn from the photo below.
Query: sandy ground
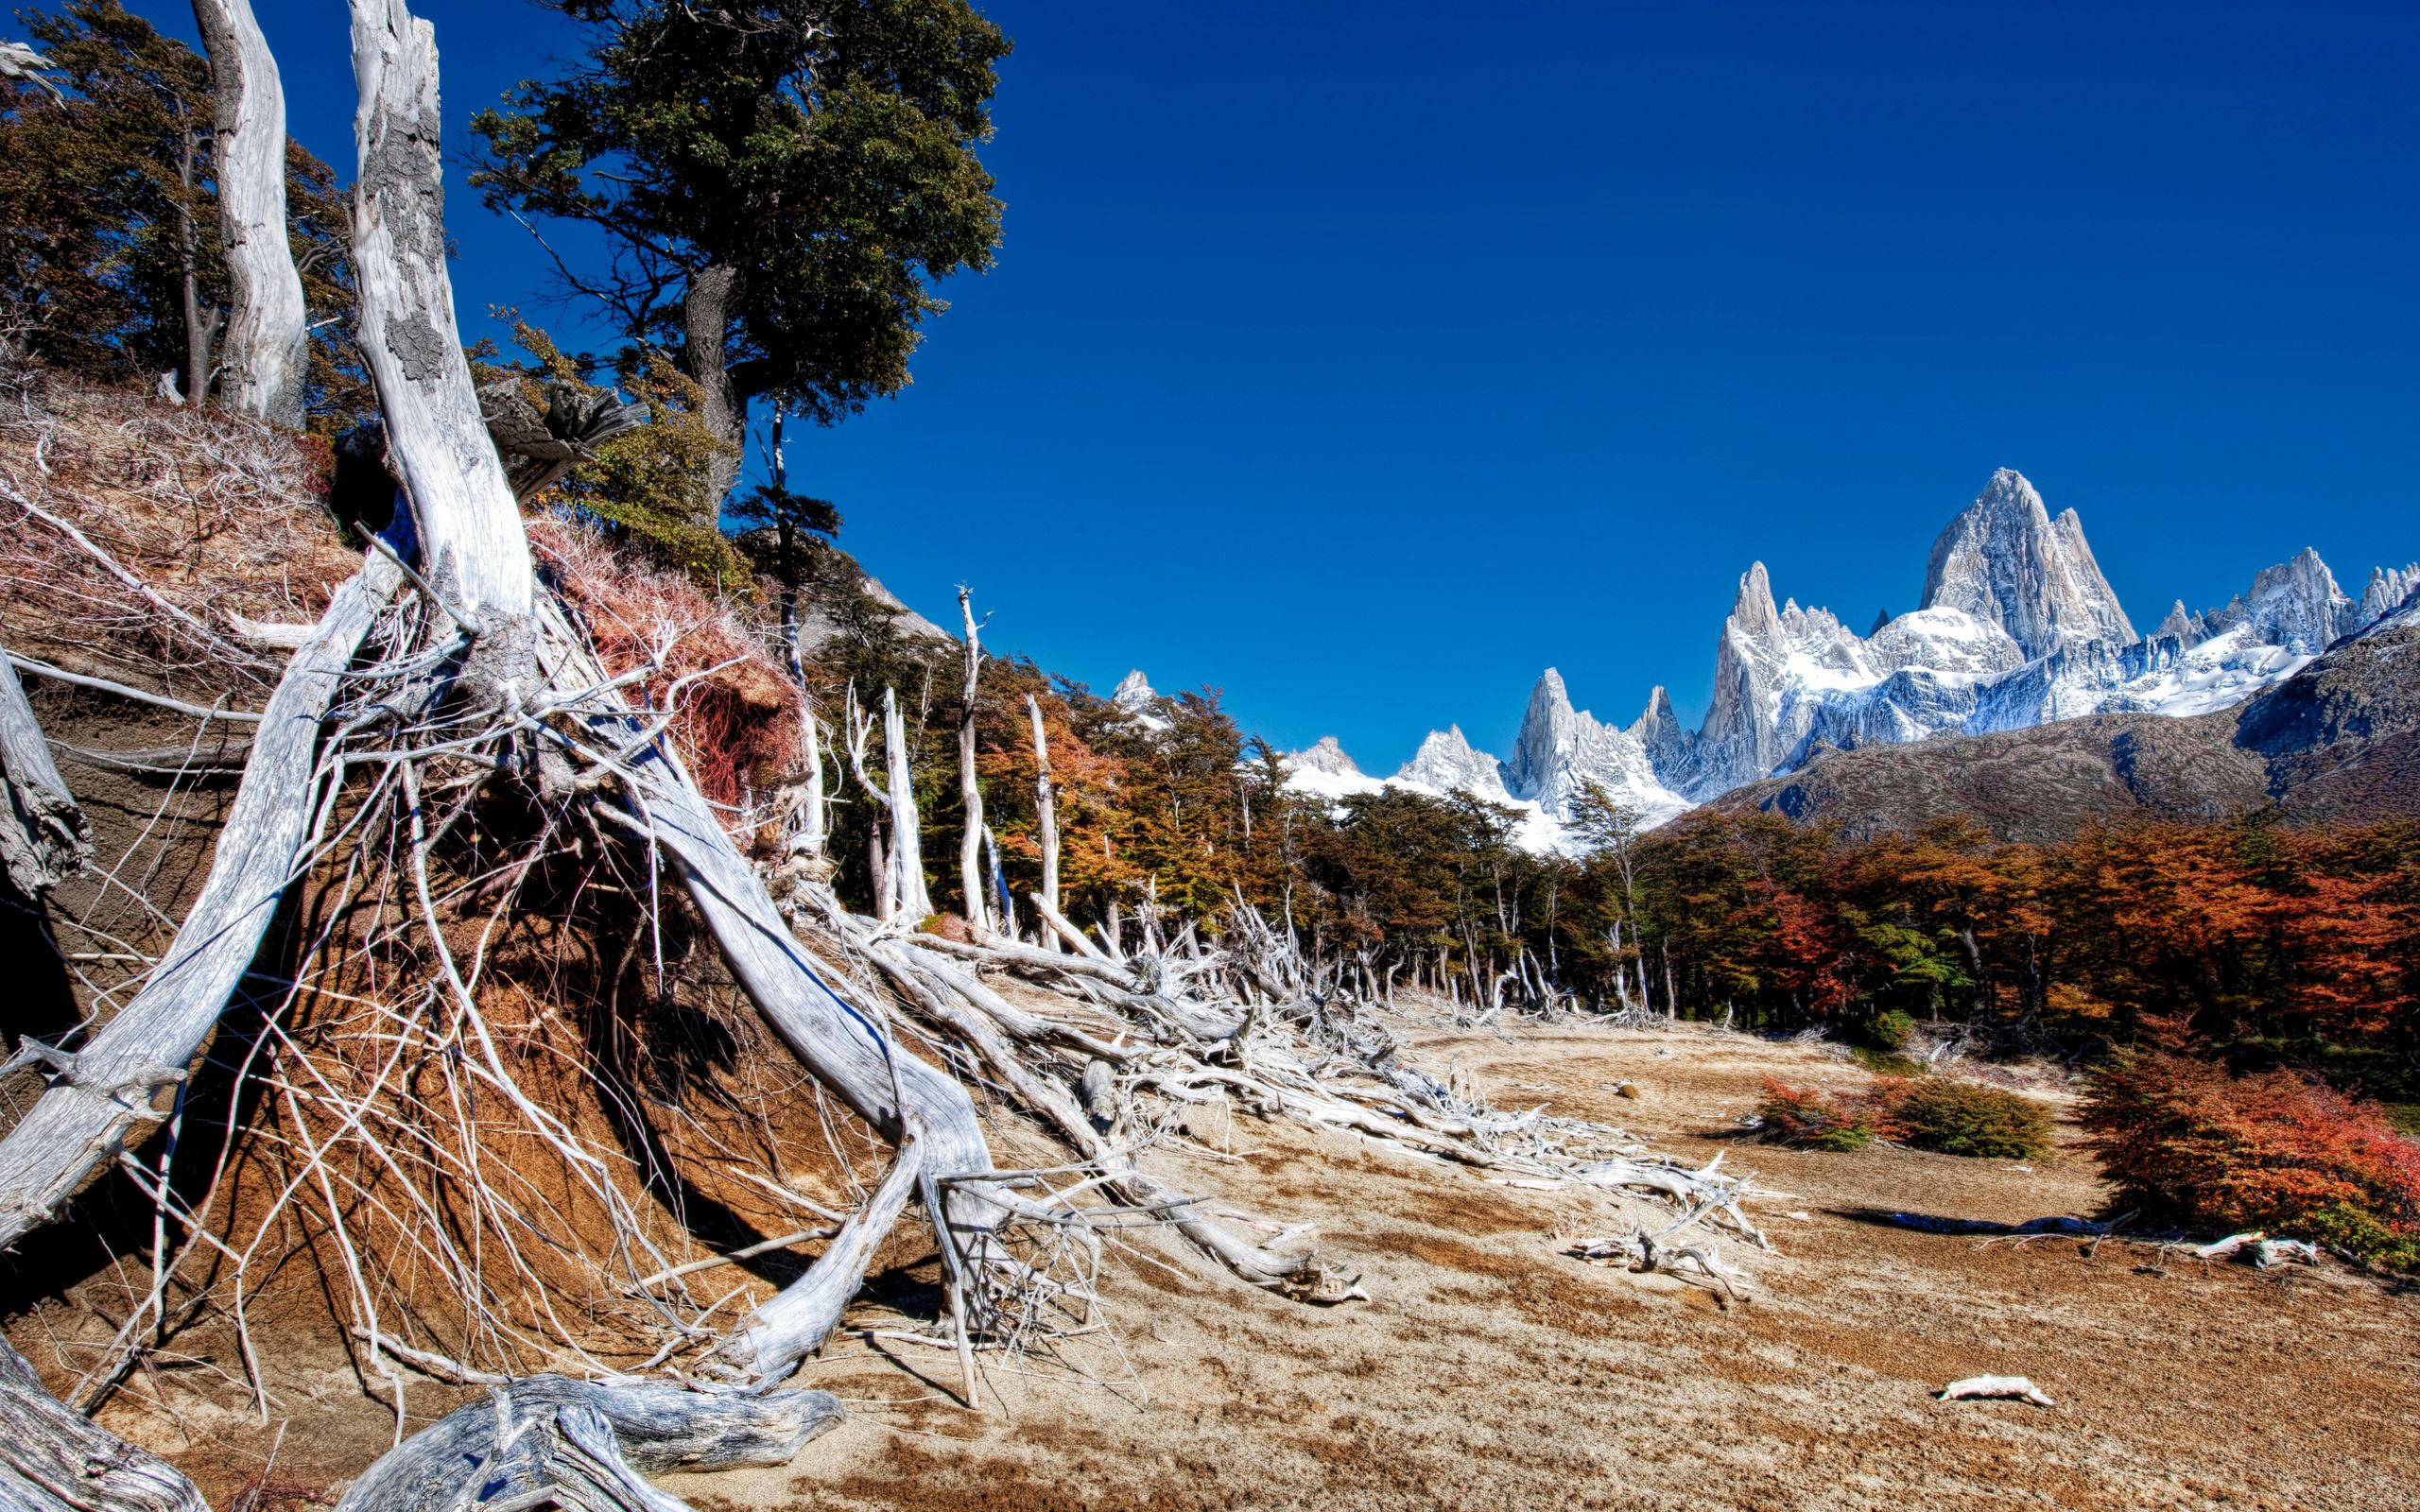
(1491, 1369)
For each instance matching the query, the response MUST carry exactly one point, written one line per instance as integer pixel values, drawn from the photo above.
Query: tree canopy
(781, 183)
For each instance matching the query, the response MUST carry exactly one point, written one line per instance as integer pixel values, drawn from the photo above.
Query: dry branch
(43, 837)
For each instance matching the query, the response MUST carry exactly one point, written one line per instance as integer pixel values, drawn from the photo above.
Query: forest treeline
(2247, 939)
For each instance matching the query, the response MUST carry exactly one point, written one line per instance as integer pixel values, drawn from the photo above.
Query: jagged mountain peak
(1134, 691)
(2005, 561)
(1326, 754)
(1752, 609)
(1447, 763)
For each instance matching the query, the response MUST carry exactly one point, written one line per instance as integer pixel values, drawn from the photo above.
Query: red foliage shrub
(2185, 1139)
(1809, 1118)
(736, 723)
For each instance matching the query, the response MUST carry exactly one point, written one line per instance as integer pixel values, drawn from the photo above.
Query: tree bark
(43, 837)
(54, 1457)
(474, 549)
(1045, 796)
(552, 1441)
(970, 862)
(705, 314)
(267, 347)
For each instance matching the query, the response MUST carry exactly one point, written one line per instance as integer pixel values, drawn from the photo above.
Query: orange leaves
(2276, 1151)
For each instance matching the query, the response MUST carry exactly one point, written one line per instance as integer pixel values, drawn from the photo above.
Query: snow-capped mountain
(2017, 627)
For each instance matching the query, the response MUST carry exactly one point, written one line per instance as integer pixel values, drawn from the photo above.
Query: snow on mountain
(2390, 587)
(1140, 701)
(1446, 763)
(2017, 628)
(1563, 752)
(2006, 562)
(1322, 755)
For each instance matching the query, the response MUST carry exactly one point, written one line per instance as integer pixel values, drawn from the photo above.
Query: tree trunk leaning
(54, 1457)
(79, 1121)
(267, 353)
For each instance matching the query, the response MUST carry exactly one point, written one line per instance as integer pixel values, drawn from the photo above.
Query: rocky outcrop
(1447, 763)
(2006, 562)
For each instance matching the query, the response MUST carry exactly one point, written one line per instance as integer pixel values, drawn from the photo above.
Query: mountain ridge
(2017, 629)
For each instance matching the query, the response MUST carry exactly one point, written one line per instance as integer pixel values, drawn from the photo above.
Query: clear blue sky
(1365, 360)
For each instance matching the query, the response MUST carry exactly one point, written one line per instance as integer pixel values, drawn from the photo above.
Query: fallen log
(551, 1441)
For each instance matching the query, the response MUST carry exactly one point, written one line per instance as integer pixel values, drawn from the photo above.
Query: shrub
(2185, 1141)
(1963, 1118)
(1885, 1063)
(1891, 1030)
(1809, 1118)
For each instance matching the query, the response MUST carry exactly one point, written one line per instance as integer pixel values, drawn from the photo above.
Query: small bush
(1809, 1118)
(2185, 1141)
(1963, 1118)
(1884, 1063)
(1891, 1030)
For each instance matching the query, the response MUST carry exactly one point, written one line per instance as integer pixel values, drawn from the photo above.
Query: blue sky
(1365, 360)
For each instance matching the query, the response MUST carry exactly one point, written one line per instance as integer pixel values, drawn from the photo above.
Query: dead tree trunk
(474, 549)
(970, 862)
(108, 1085)
(267, 348)
(43, 837)
(546, 1441)
(202, 319)
(54, 1457)
(906, 836)
(1046, 798)
(480, 553)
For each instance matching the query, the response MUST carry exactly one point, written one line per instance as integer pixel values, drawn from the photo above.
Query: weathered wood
(472, 546)
(81, 1121)
(970, 795)
(54, 1459)
(1045, 796)
(580, 1442)
(795, 1321)
(906, 828)
(843, 1041)
(267, 353)
(43, 839)
(120, 690)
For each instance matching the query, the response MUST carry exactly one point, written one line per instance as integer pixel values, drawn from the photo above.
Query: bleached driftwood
(54, 1459)
(2018, 1388)
(2262, 1251)
(79, 1121)
(267, 354)
(43, 839)
(545, 1441)
(906, 828)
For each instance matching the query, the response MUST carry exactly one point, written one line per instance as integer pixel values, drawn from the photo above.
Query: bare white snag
(812, 830)
(970, 863)
(906, 840)
(477, 556)
(267, 353)
(1045, 796)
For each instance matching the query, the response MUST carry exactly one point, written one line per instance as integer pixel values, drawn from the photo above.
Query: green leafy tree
(781, 183)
